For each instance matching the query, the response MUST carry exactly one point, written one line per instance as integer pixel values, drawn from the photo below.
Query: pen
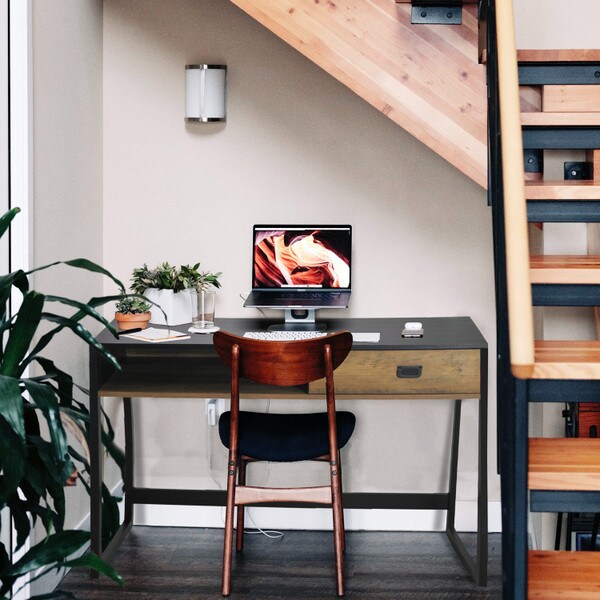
(134, 330)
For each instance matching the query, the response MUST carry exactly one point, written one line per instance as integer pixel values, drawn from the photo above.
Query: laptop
(301, 266)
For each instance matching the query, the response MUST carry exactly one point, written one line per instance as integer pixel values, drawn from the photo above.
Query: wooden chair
(283, 437)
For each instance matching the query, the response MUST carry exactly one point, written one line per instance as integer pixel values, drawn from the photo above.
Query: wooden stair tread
(570, 269)
(570, 98)
(566, 359)
(564, 464)
(566, 55)
(563, 575)
(562, 190)
(560, 119)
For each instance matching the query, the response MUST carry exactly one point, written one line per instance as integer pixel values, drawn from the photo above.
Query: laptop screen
(301, 257)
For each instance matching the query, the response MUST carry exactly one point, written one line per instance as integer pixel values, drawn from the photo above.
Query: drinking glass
(203, 308)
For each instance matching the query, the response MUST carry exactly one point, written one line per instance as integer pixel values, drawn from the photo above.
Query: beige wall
(557, 24)
(297, 147)
(67, 167)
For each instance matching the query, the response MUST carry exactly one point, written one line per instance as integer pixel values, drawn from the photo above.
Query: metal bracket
(440, 12)
(577, 170)
(534, 160)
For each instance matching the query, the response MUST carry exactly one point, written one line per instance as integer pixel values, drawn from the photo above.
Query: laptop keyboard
(303, 295)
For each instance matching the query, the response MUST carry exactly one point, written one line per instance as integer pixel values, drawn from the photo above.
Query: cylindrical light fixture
(205, 93)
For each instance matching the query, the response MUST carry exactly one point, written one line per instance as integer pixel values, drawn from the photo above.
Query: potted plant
(36, 459)
(132, 312)
(162, 286)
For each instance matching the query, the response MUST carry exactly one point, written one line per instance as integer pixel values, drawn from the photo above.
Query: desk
(448, 362)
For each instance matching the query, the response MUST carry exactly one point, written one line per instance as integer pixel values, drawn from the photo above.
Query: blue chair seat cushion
(285, 437)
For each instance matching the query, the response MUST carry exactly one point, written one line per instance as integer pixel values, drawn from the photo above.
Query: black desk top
(439, 333)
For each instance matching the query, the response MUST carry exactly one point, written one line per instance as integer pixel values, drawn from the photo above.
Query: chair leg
(241, 509)
(343, 530)
(338, 527)
(228, 541)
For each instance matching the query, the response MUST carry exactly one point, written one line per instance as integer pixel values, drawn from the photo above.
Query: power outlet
(214, 408)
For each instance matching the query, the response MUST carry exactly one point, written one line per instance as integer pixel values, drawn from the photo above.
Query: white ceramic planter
(177, 306)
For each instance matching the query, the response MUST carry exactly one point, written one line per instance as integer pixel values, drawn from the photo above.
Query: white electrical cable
(270, 533)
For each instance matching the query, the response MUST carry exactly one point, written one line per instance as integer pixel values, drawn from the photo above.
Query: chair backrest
(283, 363)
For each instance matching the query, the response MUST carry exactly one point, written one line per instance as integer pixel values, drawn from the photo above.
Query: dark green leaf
(78, 330)
(84, 310)
(81, 263)
(56, 471)
(6, 218)
(44, 397)
(22, 524)
(16, 279)
(11, 406)
(110, 516)
(5, 582)
(91, 561)
(12, 461)
(63, 380)
(22, 333)
(52, 550)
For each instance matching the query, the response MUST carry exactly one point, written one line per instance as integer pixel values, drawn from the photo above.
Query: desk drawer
(399, 372)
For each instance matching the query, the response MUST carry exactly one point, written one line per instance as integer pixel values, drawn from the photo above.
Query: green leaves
(167, 277)
(80, 263)
(35, 457)
(21, 334)
(12, 438)
(6, 219)
(54, 551)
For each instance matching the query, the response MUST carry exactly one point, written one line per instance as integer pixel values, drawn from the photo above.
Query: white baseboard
(320, 518)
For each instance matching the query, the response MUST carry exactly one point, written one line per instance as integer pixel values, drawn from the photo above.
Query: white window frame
(16, 161)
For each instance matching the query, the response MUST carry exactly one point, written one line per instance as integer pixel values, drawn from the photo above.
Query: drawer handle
(409, 371)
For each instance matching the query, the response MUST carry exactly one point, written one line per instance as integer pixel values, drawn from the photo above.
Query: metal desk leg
(113, 544)
(451, 512)
(129, 461)
(96, 470)
(477, 568)
(96, 477)
(482, 477)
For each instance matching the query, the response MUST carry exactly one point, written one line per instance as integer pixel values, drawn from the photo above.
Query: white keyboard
(283, 336)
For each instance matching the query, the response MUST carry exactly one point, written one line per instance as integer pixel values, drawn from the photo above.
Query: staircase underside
(426, 78)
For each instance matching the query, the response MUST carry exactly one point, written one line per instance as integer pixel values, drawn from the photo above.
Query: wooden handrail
(520, 309)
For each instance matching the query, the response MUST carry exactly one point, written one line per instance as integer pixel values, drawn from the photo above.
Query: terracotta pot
(128, 321)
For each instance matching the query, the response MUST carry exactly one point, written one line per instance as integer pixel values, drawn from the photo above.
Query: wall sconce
(205, 97)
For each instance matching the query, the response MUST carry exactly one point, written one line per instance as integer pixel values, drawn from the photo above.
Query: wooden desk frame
(167, 361)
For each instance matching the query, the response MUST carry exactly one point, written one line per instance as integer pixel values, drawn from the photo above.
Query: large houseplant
(162, 286)
(36, 459)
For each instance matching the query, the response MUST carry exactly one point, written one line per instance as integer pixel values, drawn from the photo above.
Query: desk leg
(477, 568)
(129, 461)
(482, 480)
(451, 512)
(96, 470)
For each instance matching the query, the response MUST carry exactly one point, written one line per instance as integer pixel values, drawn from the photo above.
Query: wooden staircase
(425, 78)
(557, 107)
(565, 469)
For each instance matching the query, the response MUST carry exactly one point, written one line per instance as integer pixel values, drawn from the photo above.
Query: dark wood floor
(183, 564)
